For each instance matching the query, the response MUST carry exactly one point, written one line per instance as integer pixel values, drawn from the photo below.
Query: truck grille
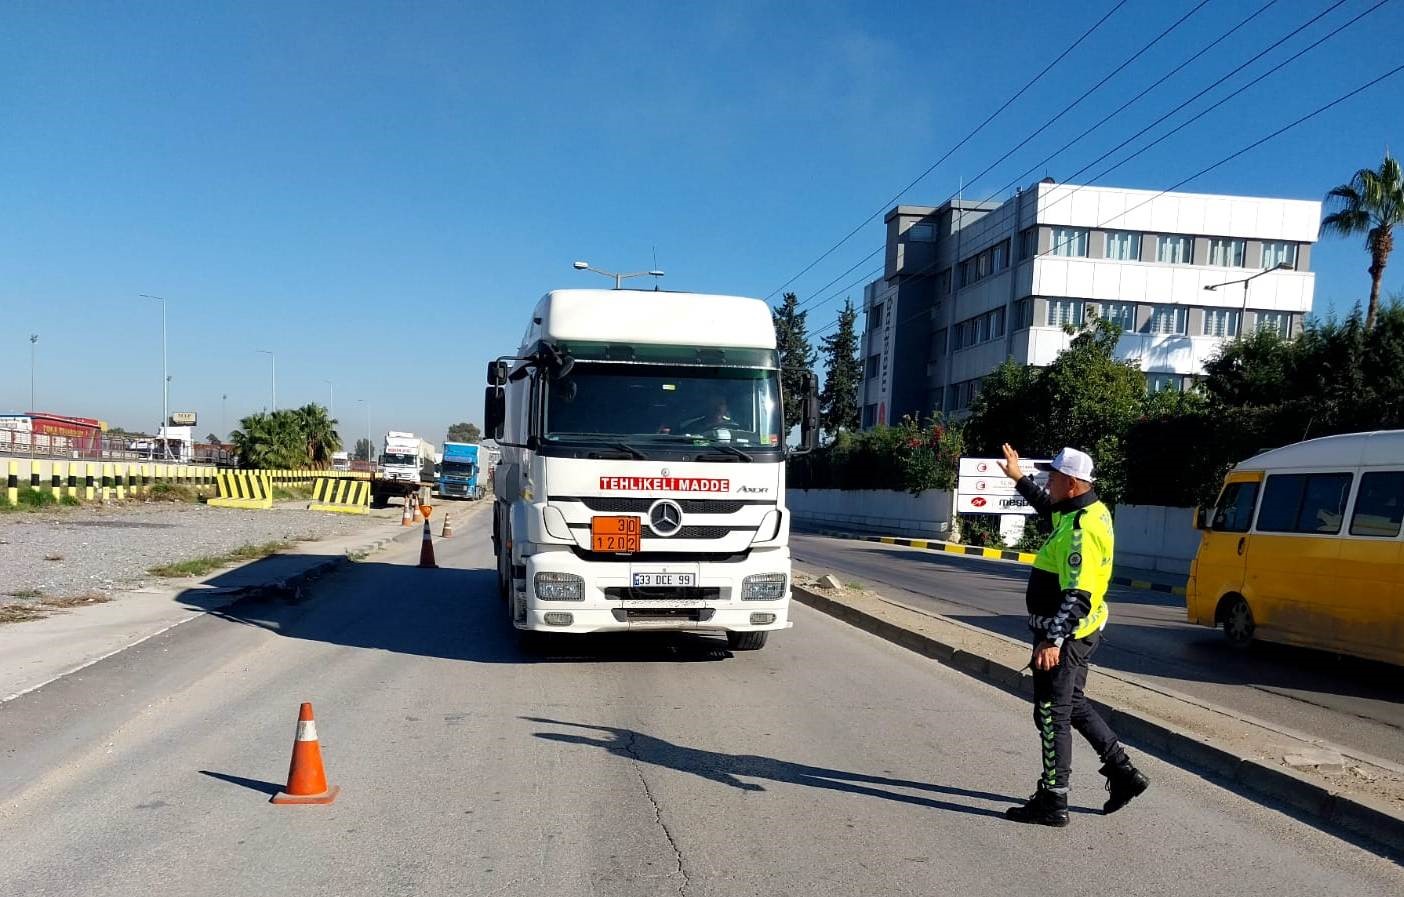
(691, 532)
(690, 593)
(662, 614)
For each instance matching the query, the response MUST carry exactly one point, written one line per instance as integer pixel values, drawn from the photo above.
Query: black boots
(1124, 783)
(1044, 808)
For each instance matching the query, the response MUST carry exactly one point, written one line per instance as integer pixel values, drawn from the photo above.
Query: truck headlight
(763, 587)
(559, 587)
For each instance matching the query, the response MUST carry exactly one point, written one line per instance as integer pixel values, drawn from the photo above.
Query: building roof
(1377, 448)
(652, 317)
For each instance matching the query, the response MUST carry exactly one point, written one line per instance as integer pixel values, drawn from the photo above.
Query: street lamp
(1243, 314)
(331, 409)
(223, 424)
(273, 395)
(618, 278)
(33, 408)
(165, 378)
(369, 445)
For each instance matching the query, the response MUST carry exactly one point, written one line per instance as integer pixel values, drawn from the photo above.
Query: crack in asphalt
(681, 870)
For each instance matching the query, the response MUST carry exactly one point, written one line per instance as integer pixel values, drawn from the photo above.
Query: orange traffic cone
(426, 548)
(407, 519)
(448, 525)
(418, 514)
(307, 781)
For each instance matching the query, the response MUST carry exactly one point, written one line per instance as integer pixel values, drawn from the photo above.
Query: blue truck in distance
(460, 472)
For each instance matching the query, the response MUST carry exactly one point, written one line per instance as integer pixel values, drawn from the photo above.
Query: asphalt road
(829, 763)
(1355, 704)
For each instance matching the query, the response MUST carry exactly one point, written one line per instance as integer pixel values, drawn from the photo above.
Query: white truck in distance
(399, 471)
(642, 480)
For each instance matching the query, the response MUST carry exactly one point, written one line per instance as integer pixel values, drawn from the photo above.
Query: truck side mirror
(496, 373)
(494, 411)
(809, 414)
(1201, 517)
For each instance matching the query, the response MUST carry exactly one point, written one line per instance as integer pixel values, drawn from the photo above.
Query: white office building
(967, 285)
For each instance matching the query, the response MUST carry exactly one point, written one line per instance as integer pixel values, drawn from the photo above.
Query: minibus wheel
(1237, 618)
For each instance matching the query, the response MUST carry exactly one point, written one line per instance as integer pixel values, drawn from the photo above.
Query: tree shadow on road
(729, 769)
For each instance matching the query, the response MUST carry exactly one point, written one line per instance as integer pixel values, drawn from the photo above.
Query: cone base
(326, 797)
(429, 566)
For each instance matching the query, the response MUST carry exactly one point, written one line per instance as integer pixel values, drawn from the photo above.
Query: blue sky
(380, 192)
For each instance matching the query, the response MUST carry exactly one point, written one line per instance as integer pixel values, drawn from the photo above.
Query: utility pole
(331, 409)
(223, 424)
(165, 380)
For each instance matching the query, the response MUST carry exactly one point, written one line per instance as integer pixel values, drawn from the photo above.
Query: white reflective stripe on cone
(307, 730)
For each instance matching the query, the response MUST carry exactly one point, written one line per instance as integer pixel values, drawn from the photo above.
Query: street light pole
(273, 395)
(331, 411)
(1243, 312)
(33, 408)
(165, 379)
(223, 423)
(369, 445)
(619, 278)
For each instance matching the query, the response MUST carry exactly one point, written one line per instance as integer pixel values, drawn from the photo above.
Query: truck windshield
(662, 403)
(458, 468)
(398, 458)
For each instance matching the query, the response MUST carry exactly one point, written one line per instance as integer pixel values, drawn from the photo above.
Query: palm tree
(1371, 204)
(318, 434)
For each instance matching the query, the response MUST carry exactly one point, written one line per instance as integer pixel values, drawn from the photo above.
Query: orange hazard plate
(615, 534)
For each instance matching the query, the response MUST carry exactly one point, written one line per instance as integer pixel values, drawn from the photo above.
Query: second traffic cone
(426, 548)
(448, 526)
(406, 519)
(418, 515)
(307, 781)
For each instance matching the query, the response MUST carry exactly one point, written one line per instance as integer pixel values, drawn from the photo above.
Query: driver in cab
(716, 418)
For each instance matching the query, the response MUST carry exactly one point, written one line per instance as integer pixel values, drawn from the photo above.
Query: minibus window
(1379, 508)
(1302, 503)
(1235, 511)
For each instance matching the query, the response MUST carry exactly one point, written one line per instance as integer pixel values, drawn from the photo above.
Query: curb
(991, 554)
(1370, 822)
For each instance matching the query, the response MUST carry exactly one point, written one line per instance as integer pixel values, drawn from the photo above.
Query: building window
(1173, 250)
(1226, 253)
(921, 233)
(1028, 242)
(982, 264)
(1070, 241)
(1169, 320)
(1276, 321)
(1162, 382)
(1023, 314)
(1001, 256)
(981, 326)
(938, 343)
(997, 323)
(1122, 314)
(1279, 253)
(967, 272)
(1123, 245)
(875, 316)
(874, 364)
(943, 282)
(869, 416)
(1064, 311)
(1221, 322)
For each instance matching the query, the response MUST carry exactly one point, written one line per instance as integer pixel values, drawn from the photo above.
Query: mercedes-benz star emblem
(665, 518)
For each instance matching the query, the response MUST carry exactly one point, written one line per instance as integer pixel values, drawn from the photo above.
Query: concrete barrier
(341, 495)
(1154, 537)
(883, 511)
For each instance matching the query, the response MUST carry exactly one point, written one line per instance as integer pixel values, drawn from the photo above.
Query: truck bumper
(611, 605)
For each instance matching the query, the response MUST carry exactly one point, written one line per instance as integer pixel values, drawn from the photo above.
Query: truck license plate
(619, 535)
(663, 580)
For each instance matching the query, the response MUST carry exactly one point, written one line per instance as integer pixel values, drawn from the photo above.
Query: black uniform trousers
(1060, 706)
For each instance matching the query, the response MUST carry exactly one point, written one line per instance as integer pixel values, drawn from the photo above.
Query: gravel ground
(110, 549)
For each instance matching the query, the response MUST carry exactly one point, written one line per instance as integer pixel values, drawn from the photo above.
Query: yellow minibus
(1304, 547)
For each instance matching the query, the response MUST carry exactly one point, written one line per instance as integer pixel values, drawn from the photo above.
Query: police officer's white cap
(1073, 463)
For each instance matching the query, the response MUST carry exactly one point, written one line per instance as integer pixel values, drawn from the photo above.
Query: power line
(949, 152)
(1225, 160)
(1176, 107)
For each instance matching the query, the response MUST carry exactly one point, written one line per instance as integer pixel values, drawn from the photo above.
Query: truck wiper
(731, 450)
(630, 450)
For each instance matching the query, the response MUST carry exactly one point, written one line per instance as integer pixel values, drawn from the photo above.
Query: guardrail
(106, 480)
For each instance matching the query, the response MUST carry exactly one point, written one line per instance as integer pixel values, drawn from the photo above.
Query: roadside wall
(1155, 537)
(886, 512)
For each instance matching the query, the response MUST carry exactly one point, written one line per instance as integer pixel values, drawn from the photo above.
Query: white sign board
(982, 487)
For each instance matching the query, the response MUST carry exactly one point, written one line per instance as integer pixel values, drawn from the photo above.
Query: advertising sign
(982, 487)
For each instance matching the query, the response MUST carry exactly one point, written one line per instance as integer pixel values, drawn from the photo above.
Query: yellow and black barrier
(342, 495)
(238, 489)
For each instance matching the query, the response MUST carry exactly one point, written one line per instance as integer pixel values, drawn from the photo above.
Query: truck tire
(746, 641)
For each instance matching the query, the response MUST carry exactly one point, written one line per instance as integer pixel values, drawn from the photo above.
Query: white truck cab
(642, 479)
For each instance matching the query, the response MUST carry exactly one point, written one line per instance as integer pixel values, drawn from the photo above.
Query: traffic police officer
(1067, 612)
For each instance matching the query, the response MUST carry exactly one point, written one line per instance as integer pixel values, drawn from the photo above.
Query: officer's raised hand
(1010, 464)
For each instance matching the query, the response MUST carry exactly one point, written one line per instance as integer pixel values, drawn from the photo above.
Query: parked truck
(642, 479)
(399, 472)
(460, 473)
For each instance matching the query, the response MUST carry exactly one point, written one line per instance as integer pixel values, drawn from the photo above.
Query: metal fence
(106, 448)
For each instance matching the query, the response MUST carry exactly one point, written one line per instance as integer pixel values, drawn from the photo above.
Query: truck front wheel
(746, 641)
